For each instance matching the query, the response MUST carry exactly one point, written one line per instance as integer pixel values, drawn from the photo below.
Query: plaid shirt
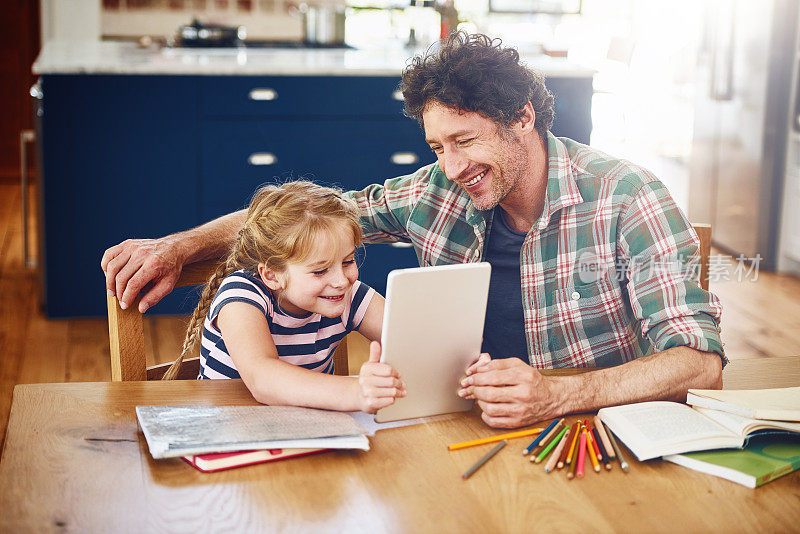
(608, 273)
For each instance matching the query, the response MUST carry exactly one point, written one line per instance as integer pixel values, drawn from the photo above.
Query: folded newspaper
(173, 431)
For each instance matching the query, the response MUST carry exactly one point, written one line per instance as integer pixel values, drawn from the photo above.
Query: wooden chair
(126, 337)
(704, 233)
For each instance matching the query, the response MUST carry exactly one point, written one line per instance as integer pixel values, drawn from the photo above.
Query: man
(588, 253)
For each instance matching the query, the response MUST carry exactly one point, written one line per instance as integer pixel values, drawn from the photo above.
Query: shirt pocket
(589, 320)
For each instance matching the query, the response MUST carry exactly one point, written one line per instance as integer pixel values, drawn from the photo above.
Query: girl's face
(322, 283)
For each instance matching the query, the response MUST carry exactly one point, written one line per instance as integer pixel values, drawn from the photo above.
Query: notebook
(763, 459)
(227, 460)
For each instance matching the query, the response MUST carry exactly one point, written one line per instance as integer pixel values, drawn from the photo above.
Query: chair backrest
(126, 336)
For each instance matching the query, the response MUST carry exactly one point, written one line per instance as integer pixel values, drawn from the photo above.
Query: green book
(762, 460)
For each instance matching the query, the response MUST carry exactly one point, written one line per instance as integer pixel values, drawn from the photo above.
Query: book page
(745, 425)
(671, 422)
(777, 403)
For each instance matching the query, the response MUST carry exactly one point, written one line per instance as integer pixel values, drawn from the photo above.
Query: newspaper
(173, 431)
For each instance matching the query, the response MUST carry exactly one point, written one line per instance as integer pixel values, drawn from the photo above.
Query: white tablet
(432, 331)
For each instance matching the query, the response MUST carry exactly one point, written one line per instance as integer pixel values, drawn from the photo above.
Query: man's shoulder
(595, 170)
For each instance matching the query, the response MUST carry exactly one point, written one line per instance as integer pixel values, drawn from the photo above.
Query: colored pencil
(550, 446)
(592, 442)
(560, 449)
(601, 429)
(574, 455)
(622, 463)
(483, 460)
(592, 454)
(539, 438)
(581, 454)
(572, 446)
(565, 449)
(605, 459)
(493, 439)
(600, 446)
(548, 438)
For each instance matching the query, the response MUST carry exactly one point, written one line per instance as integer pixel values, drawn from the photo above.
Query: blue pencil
(536, 441)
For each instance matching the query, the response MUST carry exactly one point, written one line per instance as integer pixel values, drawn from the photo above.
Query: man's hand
(510, 392)
(378, 383)
(135, 263)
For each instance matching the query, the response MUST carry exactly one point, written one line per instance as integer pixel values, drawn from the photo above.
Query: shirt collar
(562, 191)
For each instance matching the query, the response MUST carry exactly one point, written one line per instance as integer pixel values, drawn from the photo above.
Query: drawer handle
(404, 158)
(263, 94)
(398, 95)
(262, 158)
(400, 244)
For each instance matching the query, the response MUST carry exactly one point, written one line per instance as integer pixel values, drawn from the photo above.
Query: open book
(189, 430)
(782, 404)
(653, 429)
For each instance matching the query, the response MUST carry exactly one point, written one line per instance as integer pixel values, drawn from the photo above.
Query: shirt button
(576, 295)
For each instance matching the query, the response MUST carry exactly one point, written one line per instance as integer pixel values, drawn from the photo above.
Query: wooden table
(74, 460)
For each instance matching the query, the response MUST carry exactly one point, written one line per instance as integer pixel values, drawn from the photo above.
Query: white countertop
(108, 57)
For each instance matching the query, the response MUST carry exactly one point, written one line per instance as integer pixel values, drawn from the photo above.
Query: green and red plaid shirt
(608, 273)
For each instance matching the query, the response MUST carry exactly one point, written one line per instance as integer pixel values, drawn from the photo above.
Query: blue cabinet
(127, 156)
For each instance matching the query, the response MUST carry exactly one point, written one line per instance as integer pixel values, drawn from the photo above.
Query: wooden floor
(761, 319)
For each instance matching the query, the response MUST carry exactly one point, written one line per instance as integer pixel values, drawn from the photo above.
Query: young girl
(273, 313)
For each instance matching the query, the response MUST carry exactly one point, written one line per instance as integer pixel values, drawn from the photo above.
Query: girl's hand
(378, 383)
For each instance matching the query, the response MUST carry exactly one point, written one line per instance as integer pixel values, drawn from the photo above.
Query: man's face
(476, 153)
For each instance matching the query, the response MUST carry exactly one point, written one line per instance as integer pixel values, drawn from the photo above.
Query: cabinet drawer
(238, 156)
(253, 96)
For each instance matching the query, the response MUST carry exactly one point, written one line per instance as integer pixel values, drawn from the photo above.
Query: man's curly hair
(475, 73)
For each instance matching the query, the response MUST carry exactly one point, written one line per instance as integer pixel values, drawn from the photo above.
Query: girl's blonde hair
(282, 227)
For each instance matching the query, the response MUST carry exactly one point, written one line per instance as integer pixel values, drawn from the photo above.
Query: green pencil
(550, 446)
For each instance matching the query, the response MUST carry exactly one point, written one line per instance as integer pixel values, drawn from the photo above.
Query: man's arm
(511, 393)
(157, 263)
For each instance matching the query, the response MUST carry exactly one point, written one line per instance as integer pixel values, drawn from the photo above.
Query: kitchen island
(143, 142)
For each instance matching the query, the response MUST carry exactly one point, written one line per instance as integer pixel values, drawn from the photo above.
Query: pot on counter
(322, 25)
(198, 34)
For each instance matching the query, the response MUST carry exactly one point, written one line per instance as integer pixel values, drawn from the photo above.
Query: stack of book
(220, 437)
(748, 436)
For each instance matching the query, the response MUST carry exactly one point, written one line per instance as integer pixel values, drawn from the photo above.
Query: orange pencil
(590, 448)
(581, 454)
(575, 439)
(565, 449)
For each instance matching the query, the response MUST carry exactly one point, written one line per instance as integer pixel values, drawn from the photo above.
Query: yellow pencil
(521, 433)
(575, 440)
(592, 455)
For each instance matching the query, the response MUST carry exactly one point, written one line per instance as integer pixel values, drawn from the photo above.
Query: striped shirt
(608, 272)
(308, 342)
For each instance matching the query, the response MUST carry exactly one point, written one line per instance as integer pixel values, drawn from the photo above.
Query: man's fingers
(482, 360)
(113, 266)
(501, 422)
(492, 394)
(494, 377)
(158, 292)
(110, 254)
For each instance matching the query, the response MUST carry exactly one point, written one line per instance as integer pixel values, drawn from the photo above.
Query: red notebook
(226, 460)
